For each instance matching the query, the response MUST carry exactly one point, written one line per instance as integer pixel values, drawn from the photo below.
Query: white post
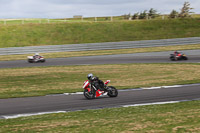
(48, 20)
(5, 22)
(82, 18)
(111, 18)
(163, 17)
(95, 19)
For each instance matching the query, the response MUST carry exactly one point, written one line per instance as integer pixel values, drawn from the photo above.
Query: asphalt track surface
(62, 102)
(50, 103)
(154, 57)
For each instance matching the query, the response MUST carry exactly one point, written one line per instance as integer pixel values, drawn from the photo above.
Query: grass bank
(90, 32)
(103, 52)
(36, 81)
(177, 117)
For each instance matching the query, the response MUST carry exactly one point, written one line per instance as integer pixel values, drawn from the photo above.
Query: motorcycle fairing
(86, 84)
(108, 81)
(99, 93)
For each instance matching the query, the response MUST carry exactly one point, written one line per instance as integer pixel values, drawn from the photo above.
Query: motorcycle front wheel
(112, 91)
(185, 58)
(88, 95)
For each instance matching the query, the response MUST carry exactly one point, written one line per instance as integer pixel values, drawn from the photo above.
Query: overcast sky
(87, 8)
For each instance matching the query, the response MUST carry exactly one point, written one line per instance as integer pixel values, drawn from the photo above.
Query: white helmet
(37, 54)
(89, 76)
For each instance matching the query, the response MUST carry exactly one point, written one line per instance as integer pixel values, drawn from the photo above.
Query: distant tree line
(184, 13)
(152, 13)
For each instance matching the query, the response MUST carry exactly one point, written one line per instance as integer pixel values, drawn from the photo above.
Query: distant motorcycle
(31, 59)
(180, 57)
(91, 92)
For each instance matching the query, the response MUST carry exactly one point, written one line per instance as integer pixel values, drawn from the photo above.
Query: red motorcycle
(180, 56)
(91, 92)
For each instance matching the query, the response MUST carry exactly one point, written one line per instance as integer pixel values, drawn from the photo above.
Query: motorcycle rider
(177, 54)
(99, 84)
(36, 56)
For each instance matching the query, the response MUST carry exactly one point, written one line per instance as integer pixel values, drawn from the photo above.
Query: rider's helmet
(37, 54)
(89, 76)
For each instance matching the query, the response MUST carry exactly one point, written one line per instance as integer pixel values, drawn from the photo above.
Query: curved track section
(155, 57)
(9, 107)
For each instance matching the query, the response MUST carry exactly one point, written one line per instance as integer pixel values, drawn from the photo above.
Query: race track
(13, 106)
(154, 57)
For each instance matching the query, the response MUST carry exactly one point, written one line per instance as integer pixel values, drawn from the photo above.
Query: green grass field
(168, 118)
(36, 81)
(90, 32)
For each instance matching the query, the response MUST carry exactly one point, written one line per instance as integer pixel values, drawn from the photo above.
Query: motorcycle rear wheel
(172, 58)
(88, 95)
(30, 61)
(112, 91)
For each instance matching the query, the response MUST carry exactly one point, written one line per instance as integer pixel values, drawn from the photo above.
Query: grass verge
(103, 52)
(36, 81)
(93, 32)
(177, 117)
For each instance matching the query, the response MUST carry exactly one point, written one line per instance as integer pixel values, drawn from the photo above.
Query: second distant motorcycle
(181, 56)
(32, 59)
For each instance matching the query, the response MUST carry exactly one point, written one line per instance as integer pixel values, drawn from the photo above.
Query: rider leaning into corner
(99, 84)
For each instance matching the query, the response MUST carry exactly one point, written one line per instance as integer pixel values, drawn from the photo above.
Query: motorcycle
(180, 57)
(91, 92)
(31, 59)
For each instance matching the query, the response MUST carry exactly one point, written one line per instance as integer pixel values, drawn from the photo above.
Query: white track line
(143, 104)
(76, 93)
(161, 87)
(25, 115)
(135, 89)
